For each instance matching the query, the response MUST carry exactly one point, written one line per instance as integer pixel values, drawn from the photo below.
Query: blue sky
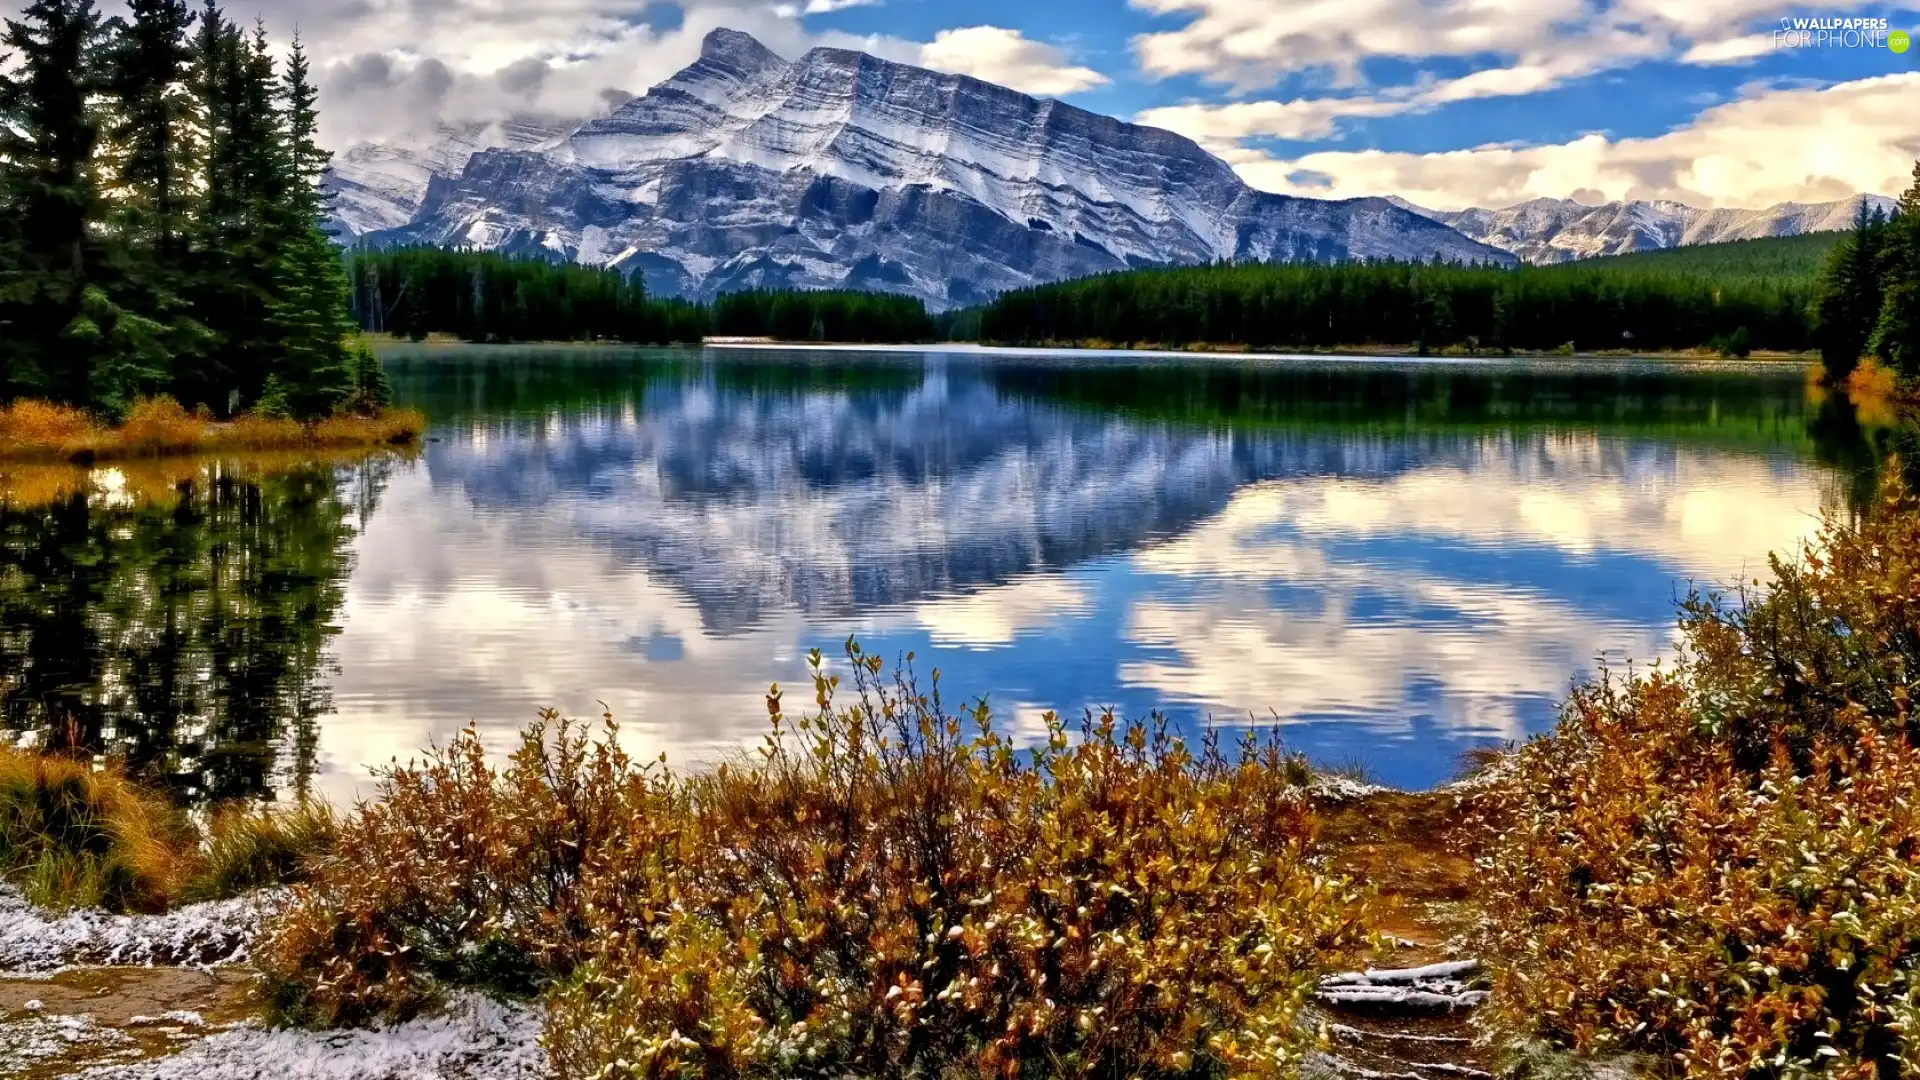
(1475, 102)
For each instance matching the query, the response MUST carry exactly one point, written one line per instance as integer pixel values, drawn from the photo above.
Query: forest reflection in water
(1399, 559)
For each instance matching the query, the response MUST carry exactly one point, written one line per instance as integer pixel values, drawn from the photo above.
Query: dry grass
(76, 835)
(42, 432)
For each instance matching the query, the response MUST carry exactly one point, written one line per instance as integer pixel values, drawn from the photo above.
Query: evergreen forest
(479, 296)
(1868, 302)
(160, 216)
(1843, 294)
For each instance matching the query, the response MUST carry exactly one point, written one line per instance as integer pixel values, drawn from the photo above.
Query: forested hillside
(482, 296)
(1786, 258)
(1588, 306)
(159, 215)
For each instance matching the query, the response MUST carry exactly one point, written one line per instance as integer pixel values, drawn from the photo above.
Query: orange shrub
(460, 873)
(31, 427)
(252, 432)
(385, 426)
(1719, 863)
(159, 425)
(896, 891)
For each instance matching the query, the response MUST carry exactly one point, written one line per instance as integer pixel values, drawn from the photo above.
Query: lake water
(1394, 560)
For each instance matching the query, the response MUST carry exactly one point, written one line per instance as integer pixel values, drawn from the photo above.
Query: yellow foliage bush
(895, 891)
(1719, 862)
(159, 425)
(886, 890)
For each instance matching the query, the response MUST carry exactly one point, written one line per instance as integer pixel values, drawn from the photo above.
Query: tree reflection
(182, 622)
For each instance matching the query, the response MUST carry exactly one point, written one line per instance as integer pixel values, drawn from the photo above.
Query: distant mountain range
(841, 169)
(1558, 230)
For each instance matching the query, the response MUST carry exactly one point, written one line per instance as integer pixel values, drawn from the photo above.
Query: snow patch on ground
(33, 941)
(473, 1038)
(1331, 788)
(40, 1039)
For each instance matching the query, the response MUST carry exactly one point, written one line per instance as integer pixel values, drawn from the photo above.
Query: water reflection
(179, 617)
(1397, 561)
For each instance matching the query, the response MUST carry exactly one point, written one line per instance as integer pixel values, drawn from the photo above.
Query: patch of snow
(1433, 988)
(33, 941)
(40, 1039)
(1328, 788)
(473, 1038)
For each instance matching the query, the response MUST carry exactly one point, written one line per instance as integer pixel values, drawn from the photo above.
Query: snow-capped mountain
(1557, 230)
(842, 169)
(381, 185)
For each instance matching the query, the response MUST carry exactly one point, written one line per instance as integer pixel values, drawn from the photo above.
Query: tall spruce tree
(48, 132)
(310, 307)
(1851, 293)
(1896, 336)
(150, 142)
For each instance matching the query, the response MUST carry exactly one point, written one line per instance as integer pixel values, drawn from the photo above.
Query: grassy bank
(79, 834)
(36, 431)
(1449, 352)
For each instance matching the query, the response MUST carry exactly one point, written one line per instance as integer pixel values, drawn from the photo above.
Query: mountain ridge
(1561, 230)
(840, 169)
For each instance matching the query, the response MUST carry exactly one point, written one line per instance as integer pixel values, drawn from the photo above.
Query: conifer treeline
(1869, 297)
(485, 296)
(1591, 306)
(160, 216)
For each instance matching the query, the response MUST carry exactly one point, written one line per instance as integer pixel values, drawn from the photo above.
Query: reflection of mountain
(922, 481)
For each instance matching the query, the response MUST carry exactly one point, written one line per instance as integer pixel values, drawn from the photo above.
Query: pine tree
(151, 148)
(309, 313)
(1896, 337)
(48, 135)
(1851, 293)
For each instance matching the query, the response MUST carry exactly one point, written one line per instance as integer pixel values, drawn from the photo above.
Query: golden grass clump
(74, 835)
(246, 848)
(1718, 863)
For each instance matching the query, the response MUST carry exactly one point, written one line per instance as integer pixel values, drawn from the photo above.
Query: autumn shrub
(254, 431)
(32, 427)
(1718, 862)
(893, 890)
(459, 873)
(75, 835)
(158, 425)
(388, 425)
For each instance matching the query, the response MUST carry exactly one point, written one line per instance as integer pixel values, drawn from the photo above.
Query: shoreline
(1146, 350)
(38, 433)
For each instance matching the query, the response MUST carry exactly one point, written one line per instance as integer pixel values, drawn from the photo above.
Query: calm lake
(1394, 560)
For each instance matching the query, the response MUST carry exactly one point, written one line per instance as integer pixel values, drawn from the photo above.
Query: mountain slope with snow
(1559, 230)
(840, 169)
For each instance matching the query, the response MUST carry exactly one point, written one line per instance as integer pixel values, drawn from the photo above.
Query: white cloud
(998, 55)
(389, 67)
(1248, 45)
(1769, 146)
